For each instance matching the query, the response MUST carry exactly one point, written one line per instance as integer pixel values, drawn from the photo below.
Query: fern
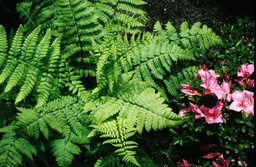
(119, 131)
(64, 152)
(197, 38)
(31, 64)
(63, 115)
(173, 83)
(35, 13)
(14, 150)
(134, 102)
(148, 57)
(125, 15)
(151, 58)
(3, 46)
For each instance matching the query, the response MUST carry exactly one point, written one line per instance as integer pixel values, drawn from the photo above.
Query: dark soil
(213, 13)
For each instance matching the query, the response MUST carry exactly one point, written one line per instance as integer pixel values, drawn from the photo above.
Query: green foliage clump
(80, 82)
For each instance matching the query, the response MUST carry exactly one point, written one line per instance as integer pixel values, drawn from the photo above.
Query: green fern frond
(198, 39)
(32, 64)
(117, 132)
(3, 46)
(64, 152)
(35, 13)
(77, 23)
(14, 149)
(173, 83)
(111, 160)
(125, 16)
(12, 56)
(63, 115)
(140, 103)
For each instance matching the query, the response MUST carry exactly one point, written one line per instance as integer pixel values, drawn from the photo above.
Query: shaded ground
(213, 13)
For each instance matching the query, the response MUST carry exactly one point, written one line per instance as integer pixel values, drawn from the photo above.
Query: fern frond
(125, 16)
(63, 115)
(173, 83)
(12, 56)
(14, 149)
(32, 64)
(3, 46)
(77, 23)
(35, 13)
(140, 103)
(64, 152)
(119, 131)
(109, 160)
(197, 38)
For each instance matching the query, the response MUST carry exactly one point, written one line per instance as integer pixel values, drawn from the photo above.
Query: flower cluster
(222, 162)
(219, 94)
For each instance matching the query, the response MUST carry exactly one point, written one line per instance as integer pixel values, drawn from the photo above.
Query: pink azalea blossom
(188, 90)
(225, 87)
(244, 73)
(206, 74)
(250, 84)
(243, 101)
(211, 155)
(184, 163)
(224, 163)
(181, 113)
(211, 85)
(198, 113)
(245, 70)
(215, 164)
(213, 115)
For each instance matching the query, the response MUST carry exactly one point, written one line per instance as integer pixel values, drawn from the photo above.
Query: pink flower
(243, 101)
(244, 164)
(223, 62)
(211, 155)
(225, 87)
(213, 115)
(224, 163)
(181, 113)
(244, 74)
(184, 163)
(215, 164)
(198, 113)
(245, 70)
(187, 90)
(203, 74)
(250, 84)
(211, 85)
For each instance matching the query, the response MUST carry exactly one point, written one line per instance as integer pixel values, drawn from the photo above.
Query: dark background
(210, 12)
